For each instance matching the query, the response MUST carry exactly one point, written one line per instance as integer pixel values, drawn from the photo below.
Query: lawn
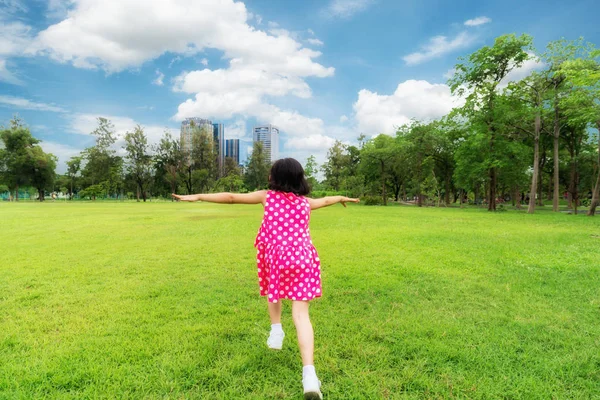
(160, 301)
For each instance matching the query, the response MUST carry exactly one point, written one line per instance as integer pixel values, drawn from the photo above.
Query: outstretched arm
(327, 201)
(226, 198)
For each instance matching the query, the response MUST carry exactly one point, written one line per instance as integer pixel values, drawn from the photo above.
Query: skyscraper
(232, 149)
(268, 135)
(219, 143)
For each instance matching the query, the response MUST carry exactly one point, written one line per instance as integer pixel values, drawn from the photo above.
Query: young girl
(288, 263)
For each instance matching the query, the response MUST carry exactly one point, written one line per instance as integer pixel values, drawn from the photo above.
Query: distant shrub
(372, 200)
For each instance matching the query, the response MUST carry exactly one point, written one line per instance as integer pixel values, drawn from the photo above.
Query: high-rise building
(219, 143)
(232, 149)
(187, 128)
(269, 136)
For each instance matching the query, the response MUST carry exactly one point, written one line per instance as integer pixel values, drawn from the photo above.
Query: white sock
(308, 370)
(276, 328)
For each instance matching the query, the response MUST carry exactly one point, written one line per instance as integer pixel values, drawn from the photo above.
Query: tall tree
(15, 159)
(336, 166)
(556, 55)
(479, 78)
(73, 167)
(584, 104)
(310, 170)
(168, 162)
(139, 161)
(257, 170)
(41, 167)
(376, 157)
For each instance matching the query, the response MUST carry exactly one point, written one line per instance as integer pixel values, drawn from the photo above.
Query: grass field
(160, 301)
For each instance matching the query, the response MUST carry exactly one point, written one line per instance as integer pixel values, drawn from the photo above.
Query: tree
(257, 170)
(584, 105)
(102, 165)
(15, 158)
(526, 107)
(336, 166)
(376, 156)
(556, 55)
(73, 167)
(41, 170)
(310, 170)
(168, 162)
(479, 78)
(139, 161)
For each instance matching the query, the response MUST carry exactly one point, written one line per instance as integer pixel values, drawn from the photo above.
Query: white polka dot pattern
(288, 263)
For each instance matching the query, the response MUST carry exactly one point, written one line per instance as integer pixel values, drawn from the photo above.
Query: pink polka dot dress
(288, 263)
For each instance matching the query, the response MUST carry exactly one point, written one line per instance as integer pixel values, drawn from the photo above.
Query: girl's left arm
(257, 197)
(327, 201)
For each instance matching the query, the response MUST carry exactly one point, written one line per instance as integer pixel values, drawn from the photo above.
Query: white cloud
(315, 42)
(24, 104)
(343, 119)
(477, 21)
(412, 99)
(345, 8)
(15, 36)
(439, 46)
(7, 76)
(100, 34)
(237, 130)
(310, 142)
(159, 78)
(204, 62)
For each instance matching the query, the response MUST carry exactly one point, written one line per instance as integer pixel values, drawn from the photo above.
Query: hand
(181, 198)
(345, 200)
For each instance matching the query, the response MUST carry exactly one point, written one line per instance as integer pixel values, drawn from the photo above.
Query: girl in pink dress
(288, 263)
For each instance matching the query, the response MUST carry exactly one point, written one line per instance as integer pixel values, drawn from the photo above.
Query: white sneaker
(275, 340)
(312, 388)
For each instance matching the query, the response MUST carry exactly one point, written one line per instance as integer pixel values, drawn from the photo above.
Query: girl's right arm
(327, 201)
(257, 197)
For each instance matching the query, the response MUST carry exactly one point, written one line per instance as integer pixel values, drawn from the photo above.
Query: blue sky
(320, 70)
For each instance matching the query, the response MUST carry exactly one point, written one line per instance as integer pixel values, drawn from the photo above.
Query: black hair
(287, 175)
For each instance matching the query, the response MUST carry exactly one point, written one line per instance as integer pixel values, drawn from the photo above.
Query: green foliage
(372, 200)
(257, 170)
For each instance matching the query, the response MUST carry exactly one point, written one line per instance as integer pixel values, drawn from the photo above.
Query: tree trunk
(596, 193)
(536, 164)
(17, 193)
(383, 183)
(517, 198)
(555, 157)
(447, 189)
(573, 182)
(492, 173)
(540, 200)
(137, 194)
(492, 190)
(41, 195)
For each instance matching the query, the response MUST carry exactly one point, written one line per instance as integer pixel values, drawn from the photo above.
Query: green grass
(160, 301)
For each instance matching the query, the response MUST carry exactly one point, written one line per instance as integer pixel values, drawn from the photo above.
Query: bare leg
(275, 312)
(304, 328)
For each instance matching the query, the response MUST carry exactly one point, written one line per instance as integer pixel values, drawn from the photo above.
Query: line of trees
(134, 169)
(518, 141)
